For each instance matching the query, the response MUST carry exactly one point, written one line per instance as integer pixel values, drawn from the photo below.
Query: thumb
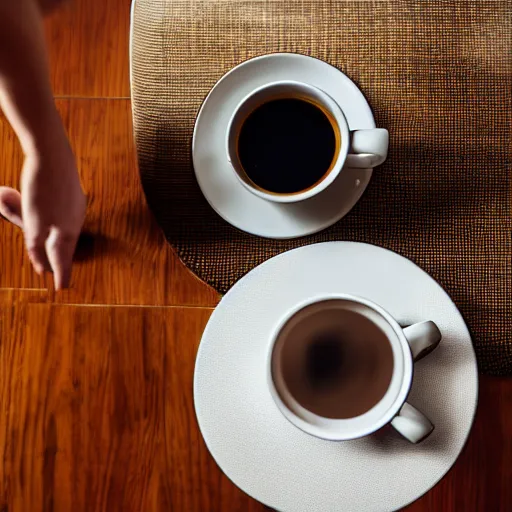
(10, 206)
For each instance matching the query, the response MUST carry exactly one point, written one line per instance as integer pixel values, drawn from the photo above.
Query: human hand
(51, 207)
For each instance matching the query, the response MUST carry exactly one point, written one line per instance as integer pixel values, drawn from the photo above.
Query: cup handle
(412, 424)
(369, 148)
(423, 338)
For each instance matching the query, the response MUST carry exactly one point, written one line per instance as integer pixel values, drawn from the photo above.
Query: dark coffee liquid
(286, 145)
(325, 359)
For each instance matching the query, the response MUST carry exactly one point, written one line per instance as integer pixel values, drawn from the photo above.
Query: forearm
(25, 91)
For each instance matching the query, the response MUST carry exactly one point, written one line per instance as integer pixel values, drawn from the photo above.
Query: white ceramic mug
(360, 148)
(340, 367)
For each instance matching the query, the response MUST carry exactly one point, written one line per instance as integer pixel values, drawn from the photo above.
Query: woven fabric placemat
(437, 75)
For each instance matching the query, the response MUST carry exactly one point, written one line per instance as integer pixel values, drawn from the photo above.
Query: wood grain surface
(96, 382)
(123, 258)
(98, 415)
(88, 48)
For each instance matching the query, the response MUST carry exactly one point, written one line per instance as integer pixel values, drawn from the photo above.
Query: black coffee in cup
(287, 145)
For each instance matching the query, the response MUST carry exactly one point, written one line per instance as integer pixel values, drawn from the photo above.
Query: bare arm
(52, 202)
(25, 92)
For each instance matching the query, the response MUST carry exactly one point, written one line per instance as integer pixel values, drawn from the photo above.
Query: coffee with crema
(334, 359)
(287, 145)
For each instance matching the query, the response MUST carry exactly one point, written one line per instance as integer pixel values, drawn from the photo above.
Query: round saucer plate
(217, 180)
(289, 470)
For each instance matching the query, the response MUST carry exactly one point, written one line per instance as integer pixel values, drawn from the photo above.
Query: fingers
(52, 251)
(38, 242)
(60, 249)
(35, 243)
(10, 205)
(36, 233)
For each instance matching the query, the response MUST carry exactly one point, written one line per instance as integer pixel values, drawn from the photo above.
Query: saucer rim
(356, 195)
(467, 333)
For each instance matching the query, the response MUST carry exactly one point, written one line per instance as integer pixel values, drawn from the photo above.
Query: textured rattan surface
(438, 77)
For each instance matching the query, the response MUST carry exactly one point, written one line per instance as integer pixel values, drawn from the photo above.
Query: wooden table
(96, 382)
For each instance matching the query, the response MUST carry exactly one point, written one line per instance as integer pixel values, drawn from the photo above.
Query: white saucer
(281, 466)
(217, 180)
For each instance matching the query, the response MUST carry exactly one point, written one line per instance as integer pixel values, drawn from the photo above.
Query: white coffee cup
(340, 367)
(360, 148)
